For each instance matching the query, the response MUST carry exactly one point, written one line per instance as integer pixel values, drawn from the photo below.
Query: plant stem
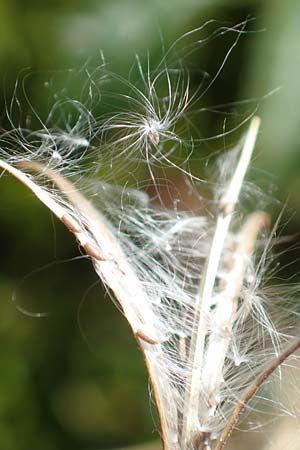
(225, 312)
(252, 391)
(202, 308)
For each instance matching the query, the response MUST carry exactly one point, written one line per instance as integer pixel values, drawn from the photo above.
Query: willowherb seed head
(191, 284)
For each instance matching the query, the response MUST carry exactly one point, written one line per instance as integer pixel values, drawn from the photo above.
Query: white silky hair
(193, 285)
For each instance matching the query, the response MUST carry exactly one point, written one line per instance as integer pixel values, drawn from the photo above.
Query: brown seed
(153, 137)
(70, 223)
(92, 252)
(141, 335)
(201, 440)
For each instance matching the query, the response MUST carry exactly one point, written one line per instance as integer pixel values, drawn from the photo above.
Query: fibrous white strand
(96, 237)
(205, 301)
(192, 285)
(206, 349)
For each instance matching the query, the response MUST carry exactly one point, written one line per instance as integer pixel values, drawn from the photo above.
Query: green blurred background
(75, 379)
